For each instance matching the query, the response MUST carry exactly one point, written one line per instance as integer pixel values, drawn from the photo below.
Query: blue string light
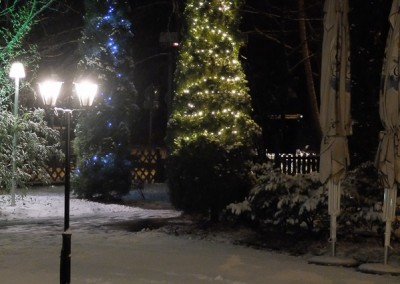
(110, 19)
(114, 25)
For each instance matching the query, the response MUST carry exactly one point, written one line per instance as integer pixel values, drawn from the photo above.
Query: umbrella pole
(389, 213)
(333, 210)
(333, 235)
(387, 241)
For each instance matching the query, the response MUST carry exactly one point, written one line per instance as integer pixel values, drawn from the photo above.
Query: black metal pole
(65, 264)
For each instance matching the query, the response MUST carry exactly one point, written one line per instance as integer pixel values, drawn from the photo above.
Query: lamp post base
(65, 264)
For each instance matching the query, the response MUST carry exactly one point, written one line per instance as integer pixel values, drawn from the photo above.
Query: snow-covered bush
(362, 199)
(284, 201)
(36, 144)
(288, 202)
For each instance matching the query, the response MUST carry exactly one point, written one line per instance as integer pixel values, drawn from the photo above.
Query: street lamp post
(16, 72)
(49, 91)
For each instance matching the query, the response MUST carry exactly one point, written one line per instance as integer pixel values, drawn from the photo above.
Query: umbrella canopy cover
(387, 158)
(335, 115)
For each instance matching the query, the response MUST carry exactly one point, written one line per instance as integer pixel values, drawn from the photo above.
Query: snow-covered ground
(48, 203)
(30, 243)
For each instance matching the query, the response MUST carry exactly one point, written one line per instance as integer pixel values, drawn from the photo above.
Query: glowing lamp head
(86, 92)
(17, 70)
(49, 90)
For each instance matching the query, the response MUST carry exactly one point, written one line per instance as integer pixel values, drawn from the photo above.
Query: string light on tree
(103, 136)
(212, 92)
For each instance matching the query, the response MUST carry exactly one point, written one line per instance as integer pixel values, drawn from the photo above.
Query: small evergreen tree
(36, 142)
(102, 141)
(211, 132)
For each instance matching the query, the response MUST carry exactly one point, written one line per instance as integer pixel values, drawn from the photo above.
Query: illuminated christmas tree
(211, 133)
(102, 141)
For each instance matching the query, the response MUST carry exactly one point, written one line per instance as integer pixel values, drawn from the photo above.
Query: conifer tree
(211, 132)
(36, 142)
(102, 141)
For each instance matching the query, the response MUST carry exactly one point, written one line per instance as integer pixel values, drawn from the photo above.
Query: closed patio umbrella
(388, 154)
(335, 115)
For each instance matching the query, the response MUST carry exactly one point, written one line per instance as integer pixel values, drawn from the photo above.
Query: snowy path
(30, 243)
(150, 257)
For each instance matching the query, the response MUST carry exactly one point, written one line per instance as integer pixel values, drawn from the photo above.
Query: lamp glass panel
(17, 70)
(86, 92)
(49, 90)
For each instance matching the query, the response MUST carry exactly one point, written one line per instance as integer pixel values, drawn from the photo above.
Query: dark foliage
(102, 142)
(204, 177)
(109, 178)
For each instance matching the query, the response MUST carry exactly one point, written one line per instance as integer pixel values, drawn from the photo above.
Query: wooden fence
(149, 166)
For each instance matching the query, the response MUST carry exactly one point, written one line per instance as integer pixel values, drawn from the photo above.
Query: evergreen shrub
(283, 201)
(204, 177)
(102, 141)
(290, 203)
(362, 200)
(37, 143)
(103, 177)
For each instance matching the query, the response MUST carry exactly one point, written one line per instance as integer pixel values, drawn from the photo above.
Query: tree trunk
(311, 94)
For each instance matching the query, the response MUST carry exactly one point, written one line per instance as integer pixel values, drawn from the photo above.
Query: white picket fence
(298, 163)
